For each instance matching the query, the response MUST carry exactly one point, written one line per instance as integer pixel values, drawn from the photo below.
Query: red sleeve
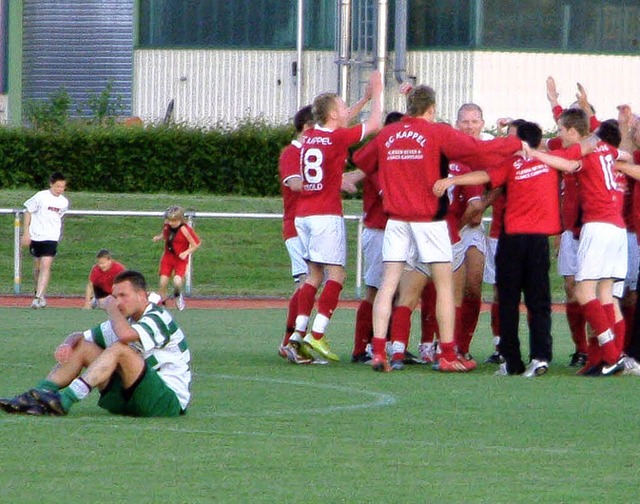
(188, 230)
(289, 163)
(636, 157)
(554, 143)
(477, 154)
(500, 173)
(573, 152)
(556, 111)
(93, 274)
(350, 136)
(593, 123)
(366, 158)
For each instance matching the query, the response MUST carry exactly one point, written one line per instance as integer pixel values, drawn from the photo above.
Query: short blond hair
(322, 106)
(174, 213)
(419, 100)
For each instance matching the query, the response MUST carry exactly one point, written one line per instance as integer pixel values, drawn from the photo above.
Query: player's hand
(552, 92)
(405, 88)
(348, 185)
(157, 238)
(583, 101)
(441, 186)
(109, 303)
(87, 305)
(64, 351)
(183, 255)
(25, 241)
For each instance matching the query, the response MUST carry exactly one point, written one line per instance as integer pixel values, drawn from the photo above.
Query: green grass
(238, 256)
(261, 430)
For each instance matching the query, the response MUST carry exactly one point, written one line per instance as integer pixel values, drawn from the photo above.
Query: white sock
(80, 388)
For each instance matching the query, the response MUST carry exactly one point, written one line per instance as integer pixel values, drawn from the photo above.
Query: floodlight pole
(16, 251)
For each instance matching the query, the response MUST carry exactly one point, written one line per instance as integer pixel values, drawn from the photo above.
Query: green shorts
(148, 397)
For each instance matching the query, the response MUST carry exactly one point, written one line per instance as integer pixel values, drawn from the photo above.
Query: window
(237, 24)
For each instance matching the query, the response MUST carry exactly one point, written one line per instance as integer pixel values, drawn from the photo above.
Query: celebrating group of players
(425, 188)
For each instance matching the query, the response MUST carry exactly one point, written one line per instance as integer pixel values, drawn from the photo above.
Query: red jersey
(599, 190)
(373, 212)
(636, 194)
(627, 205)
(323, 157)
(103, 280)
(459, 198)
(533, 199)
(289, 167)
(408, 156)
(570, 204)
(175, 242)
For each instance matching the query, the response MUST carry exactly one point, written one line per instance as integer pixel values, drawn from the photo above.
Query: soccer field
(262, 430)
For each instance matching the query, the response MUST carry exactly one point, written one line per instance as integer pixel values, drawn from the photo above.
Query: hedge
(241, 161)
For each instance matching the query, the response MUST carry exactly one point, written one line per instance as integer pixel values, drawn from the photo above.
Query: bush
(239, 161)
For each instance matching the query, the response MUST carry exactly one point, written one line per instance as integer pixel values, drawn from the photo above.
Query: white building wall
(211, 86)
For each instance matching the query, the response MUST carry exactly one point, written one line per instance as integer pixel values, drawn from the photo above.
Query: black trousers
(633, 350)
(522, 266)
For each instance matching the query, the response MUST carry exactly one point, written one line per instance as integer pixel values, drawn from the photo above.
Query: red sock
(306, 298)
(329, 298)
(469, 318)
(292, 313)
(447, 351)
(596, 316)
(594, 354)
(428, 319)
(619, 331)
(364, 327)
(576, 321)
(610, 352)
(495, 318)
(400, 328)
(461, 337)
(379, 347)
(629, 314)
(611, 313)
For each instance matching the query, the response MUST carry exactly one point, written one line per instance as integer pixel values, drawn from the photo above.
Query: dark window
(236, 24)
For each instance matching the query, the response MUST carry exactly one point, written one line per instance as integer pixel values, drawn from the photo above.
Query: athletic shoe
(50, 400)
(631, 367)
(427, 352)
(361, 358)
(494, 358)
(380, 364)
(282, 352)
(38, 303)
(453, 366)
(180, 304)
(578, 359)
(397, 365)
(292, 355)
(613, 369)
(410, 359)
(467, 361)
(303, 349)
(321, 346)
(590, 369)
(536, 368)
(19, 404)
(502, 370)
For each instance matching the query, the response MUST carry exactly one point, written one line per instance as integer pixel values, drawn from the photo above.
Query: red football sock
(495, 318)
(610, 352)
(429, 323)
(447, 351)
(469, 318)
(379, 347)
(364, 327)
(400, 328)
(628, 312)
(461, 337)
(306, 298)
(329, 298)
(292, 313)
(596, 316)
(619, 331)
(594, 353)
(611, 313)
(576, 321)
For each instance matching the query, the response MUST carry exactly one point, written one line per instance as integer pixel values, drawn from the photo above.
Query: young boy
(180, 242)
(100, 284)
(42, 231)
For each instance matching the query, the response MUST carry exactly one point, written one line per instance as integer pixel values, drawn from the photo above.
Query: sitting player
(100, 284)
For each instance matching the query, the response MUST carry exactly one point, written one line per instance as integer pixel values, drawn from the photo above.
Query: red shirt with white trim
(600, 192)
(323, 157)
(407, 155)
(104, 279)
(289, 167)
(636, 194)
(533, 199)
(373, 211)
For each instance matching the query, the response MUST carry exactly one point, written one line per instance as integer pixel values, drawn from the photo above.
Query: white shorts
(630, 283)
(568, 255)
(323, 238)
(602, 252)
(459, 250)
(428, 242)
(298, 264)
(473, 236)
(490, 261)
(372, 240)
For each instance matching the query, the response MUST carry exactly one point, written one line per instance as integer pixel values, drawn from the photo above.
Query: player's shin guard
(400, 329)
(327, 304)
(306, 298)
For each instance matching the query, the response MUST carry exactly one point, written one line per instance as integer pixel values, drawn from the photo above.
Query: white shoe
(180, 302)
(502, 370)
(427, 352)
(536, 368)
(39, 302)
(631, 367)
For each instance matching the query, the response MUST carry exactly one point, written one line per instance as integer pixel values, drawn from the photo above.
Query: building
(220, 61)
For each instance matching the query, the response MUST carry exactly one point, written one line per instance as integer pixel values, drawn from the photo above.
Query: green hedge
(242, 161)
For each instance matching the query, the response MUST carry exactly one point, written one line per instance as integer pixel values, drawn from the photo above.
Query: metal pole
(299, 56)
(359, 258)
(400, 69)
(381, 39)
(16, 252)
(187, 280)
(344, 43)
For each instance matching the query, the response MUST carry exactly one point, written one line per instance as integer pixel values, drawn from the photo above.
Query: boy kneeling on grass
(138, 359)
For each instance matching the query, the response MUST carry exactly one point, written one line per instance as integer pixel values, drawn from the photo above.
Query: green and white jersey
(162, 345)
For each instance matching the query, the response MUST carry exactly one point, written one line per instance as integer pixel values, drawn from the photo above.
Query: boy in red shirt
(101, 277)
(180, 241)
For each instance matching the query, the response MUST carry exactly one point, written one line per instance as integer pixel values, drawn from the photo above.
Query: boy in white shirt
(42, 227)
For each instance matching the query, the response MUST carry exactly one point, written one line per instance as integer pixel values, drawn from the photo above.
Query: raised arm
(374, 123)
(473, 178)
(559, 163)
